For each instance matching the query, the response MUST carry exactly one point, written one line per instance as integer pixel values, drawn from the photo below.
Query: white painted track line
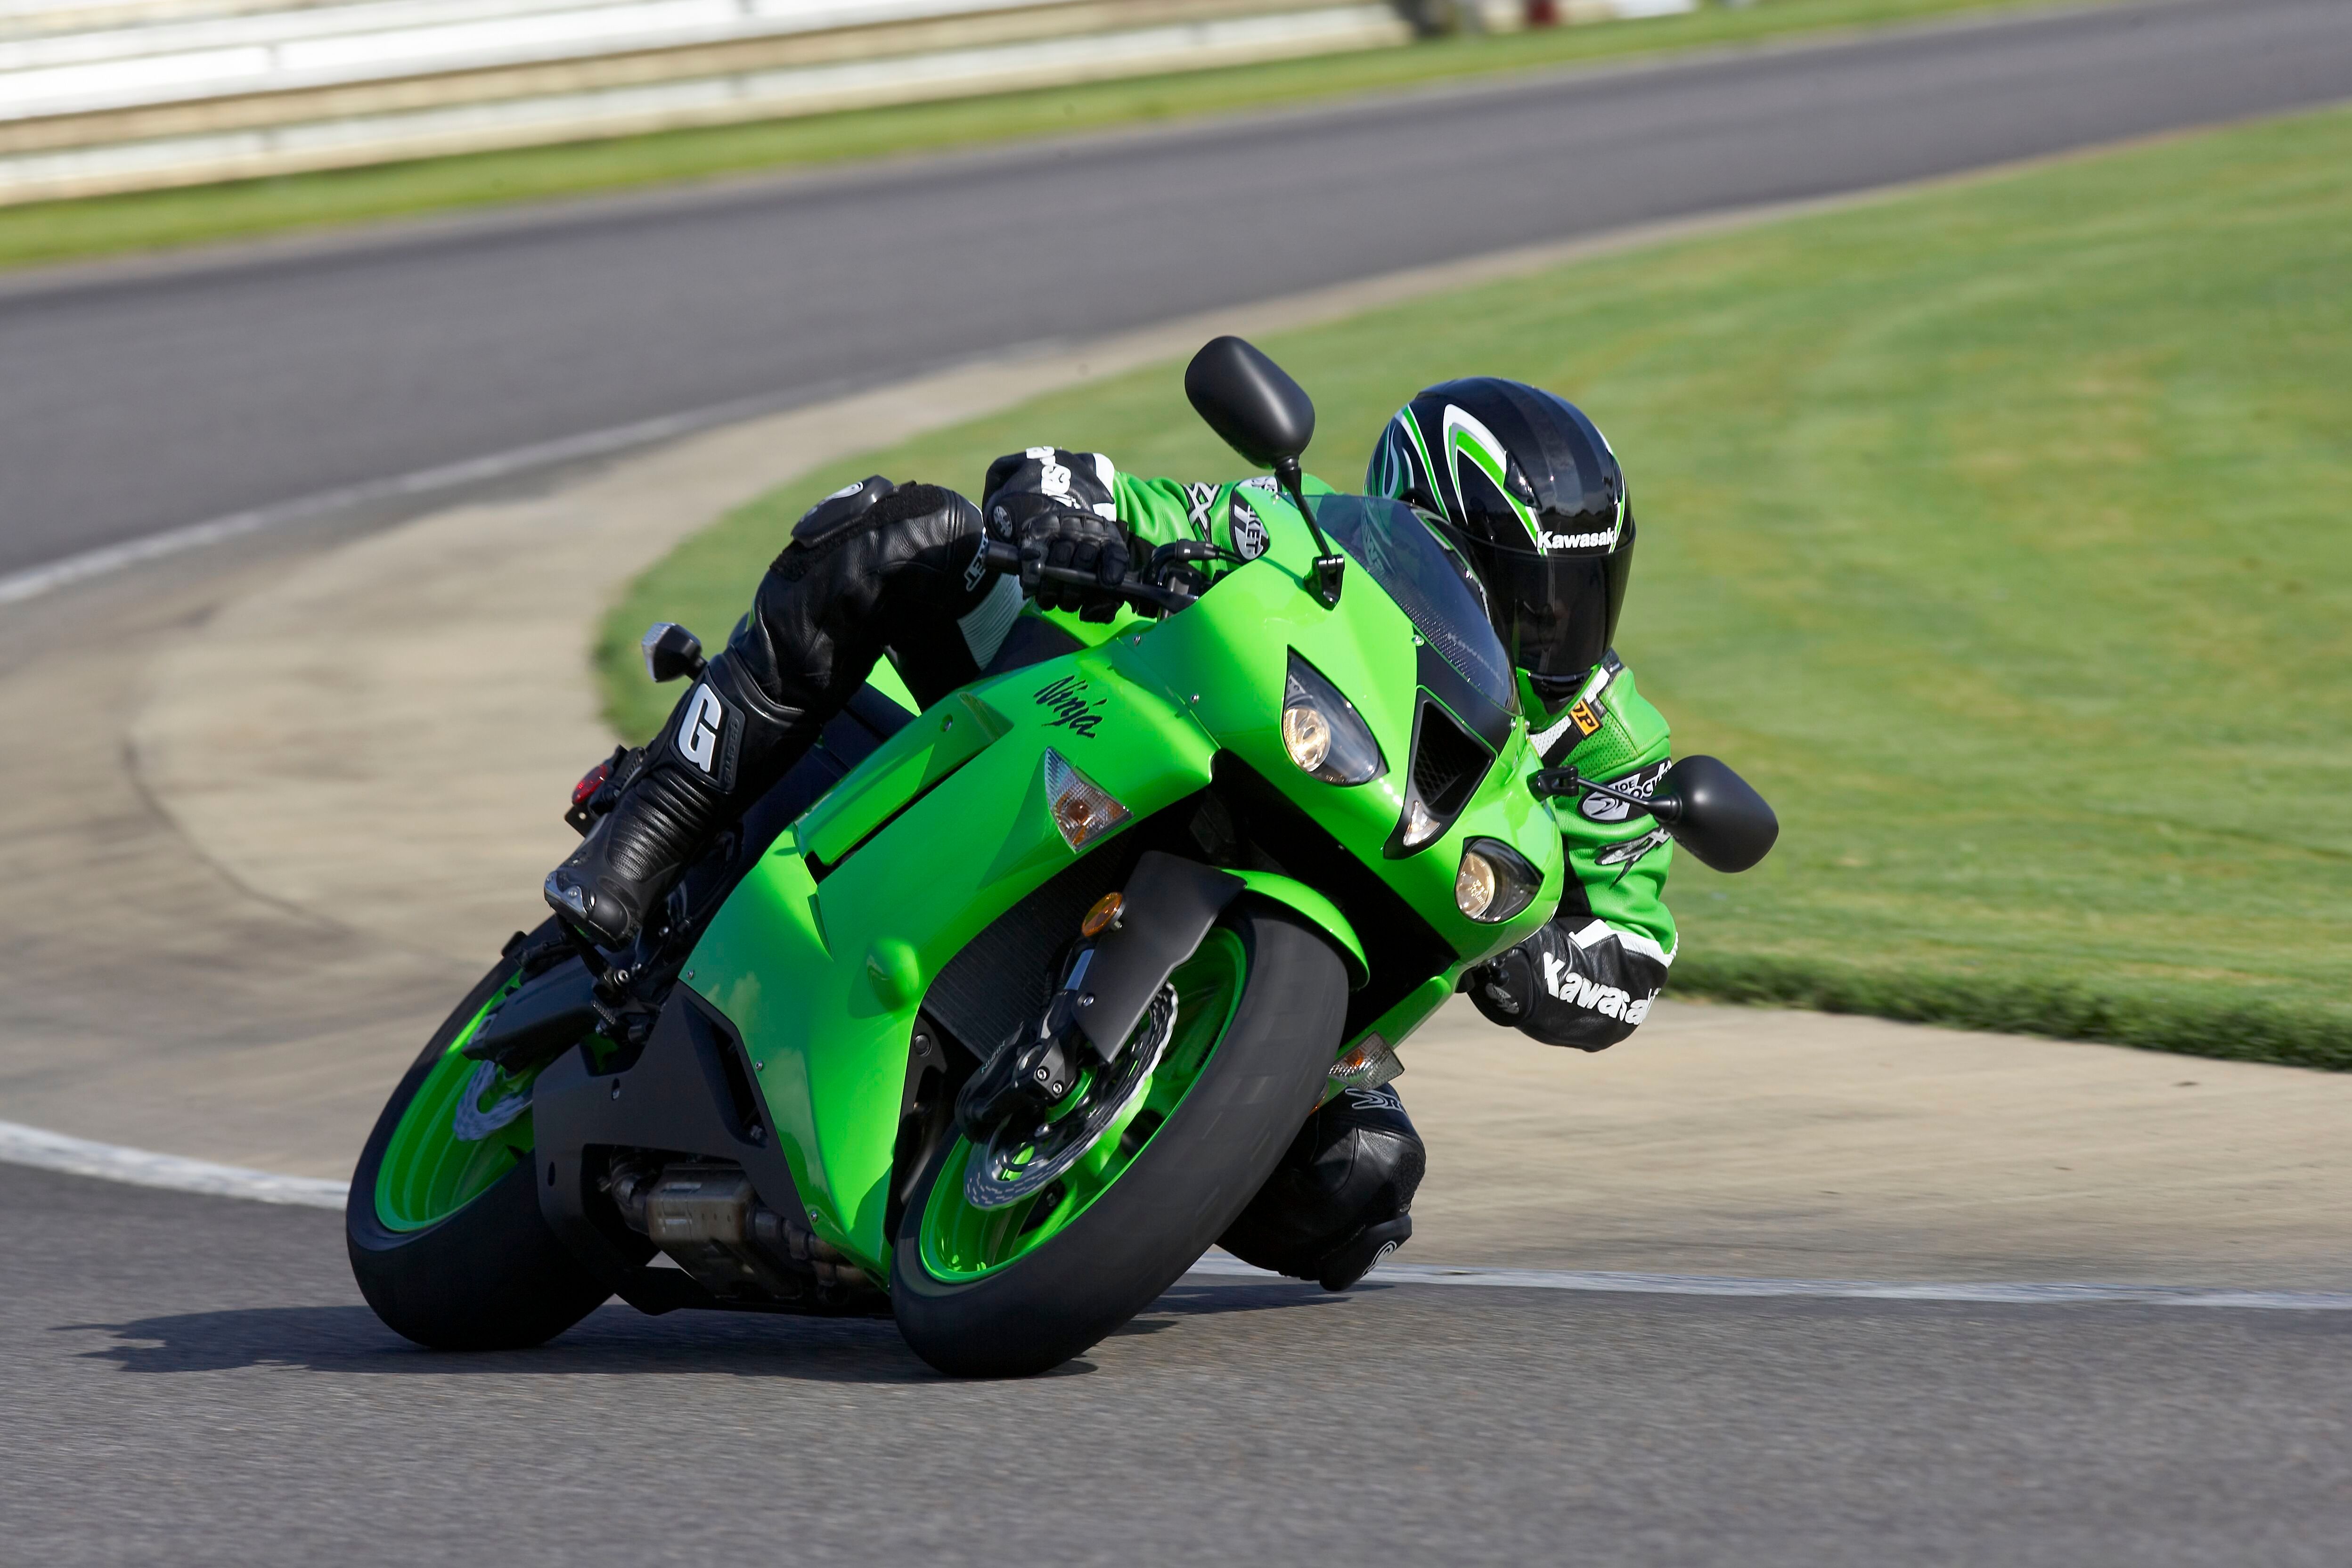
(22, 1145)
(34, 581)
(1998, 1292)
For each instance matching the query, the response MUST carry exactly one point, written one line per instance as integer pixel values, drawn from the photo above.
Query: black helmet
(1527, 489)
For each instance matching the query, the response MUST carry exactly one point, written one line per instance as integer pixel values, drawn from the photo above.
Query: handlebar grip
(1005, 559)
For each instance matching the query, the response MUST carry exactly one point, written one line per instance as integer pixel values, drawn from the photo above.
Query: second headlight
(1495, 882)
(1322, 731)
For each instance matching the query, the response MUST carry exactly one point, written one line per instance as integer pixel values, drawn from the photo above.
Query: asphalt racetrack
(194, 1381)
(147, 396)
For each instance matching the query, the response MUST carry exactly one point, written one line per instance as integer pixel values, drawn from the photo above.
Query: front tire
(445, 1233)
(1191, 1175)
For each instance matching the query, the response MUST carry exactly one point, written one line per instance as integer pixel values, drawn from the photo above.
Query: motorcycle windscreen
(1430, 584)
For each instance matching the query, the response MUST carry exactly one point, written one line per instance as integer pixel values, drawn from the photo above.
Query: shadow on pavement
(613, 1340)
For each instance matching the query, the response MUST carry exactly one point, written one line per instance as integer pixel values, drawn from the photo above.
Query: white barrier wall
(108, 95)
(177, 61)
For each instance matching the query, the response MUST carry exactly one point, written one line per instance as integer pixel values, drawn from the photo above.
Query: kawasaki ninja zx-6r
(995, 1016)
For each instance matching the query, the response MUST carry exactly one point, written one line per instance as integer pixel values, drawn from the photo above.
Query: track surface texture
(148, 396)
(194, 1380)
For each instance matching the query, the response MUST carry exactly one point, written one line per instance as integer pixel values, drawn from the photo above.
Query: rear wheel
(443, 1222)
(1017, 1289)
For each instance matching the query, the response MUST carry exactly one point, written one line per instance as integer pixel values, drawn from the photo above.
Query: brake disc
(1021, 1158)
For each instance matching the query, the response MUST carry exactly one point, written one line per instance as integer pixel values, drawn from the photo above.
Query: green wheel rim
(429, 1173)
(963, 1243)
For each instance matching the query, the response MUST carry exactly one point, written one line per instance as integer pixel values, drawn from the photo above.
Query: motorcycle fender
(1167, 907)
(1321, 912)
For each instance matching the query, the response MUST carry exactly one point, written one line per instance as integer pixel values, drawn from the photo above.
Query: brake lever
(1005, 559)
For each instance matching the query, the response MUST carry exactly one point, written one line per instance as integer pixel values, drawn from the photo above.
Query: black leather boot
(870, 564)
(721, 746)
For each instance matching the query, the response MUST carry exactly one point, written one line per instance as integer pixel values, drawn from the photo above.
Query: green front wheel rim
(961, 1243)
(429, 1173)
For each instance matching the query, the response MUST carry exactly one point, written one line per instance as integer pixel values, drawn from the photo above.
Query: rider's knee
(1349, 1175)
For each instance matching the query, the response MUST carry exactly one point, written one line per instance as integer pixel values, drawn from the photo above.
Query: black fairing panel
(688, 1092)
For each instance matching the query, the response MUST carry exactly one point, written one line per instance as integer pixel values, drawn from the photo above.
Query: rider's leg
(1341, 1198)
(874, 567)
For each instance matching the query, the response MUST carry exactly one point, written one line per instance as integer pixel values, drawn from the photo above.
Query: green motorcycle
(992, 1017)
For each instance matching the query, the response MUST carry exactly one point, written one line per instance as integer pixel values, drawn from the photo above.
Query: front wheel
(1018, 1288)
(443, 1222)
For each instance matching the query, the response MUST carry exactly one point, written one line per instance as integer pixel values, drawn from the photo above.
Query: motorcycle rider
(1521, 485)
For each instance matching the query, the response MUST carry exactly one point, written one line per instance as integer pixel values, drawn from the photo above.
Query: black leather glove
(1574, 983)
(1050, 534)
(1504, 987)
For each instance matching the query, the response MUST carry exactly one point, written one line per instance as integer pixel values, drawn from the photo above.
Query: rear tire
(1187, 1184)
(488, 1276)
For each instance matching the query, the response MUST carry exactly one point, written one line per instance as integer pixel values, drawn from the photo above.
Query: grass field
(57, 231)
(1999, 532)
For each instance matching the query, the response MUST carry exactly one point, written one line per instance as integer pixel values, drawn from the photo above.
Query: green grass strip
(57, 231)
(2188, 1020)
(1995, 530)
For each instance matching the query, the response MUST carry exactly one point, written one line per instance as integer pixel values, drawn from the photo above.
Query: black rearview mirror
(1268, 418)
(1713, 813)
(1251, 402)
(671, 651)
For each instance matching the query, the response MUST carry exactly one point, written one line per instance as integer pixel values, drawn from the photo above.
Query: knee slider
(1356, 1164)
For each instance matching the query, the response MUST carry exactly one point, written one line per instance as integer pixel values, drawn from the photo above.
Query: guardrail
(110, 95)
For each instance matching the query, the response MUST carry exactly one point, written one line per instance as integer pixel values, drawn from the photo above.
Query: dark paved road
(129, 404)
(194, 1381)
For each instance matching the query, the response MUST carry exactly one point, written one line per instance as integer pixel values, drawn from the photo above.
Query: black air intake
(1447, 763)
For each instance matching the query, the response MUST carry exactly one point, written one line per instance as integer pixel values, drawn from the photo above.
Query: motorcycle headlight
(1322, 731)
(1495, 882)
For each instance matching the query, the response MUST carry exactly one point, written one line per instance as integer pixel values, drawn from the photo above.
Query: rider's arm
(1587, 979)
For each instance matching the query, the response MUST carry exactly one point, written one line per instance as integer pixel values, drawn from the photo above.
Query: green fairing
(822, 981)
(1630, 896)
(823, 978)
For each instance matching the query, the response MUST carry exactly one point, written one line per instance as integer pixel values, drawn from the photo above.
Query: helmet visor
(1556, 614)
